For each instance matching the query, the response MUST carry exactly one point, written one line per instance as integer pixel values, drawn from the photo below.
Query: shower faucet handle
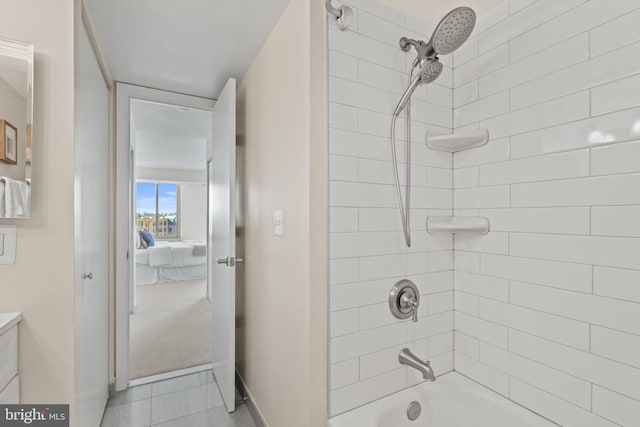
(404, 300)
(408, 301)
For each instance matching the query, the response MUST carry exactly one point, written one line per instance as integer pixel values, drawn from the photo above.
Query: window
(157, 209)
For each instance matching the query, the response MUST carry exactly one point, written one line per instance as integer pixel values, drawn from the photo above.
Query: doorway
(170, 324)
(219, 162)
(163, 316)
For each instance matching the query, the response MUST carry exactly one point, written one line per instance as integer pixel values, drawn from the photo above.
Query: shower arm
(424, 49)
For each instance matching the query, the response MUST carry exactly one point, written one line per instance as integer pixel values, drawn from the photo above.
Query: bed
(171, 261)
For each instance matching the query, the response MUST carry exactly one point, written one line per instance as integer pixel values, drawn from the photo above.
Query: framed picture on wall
(8, 143)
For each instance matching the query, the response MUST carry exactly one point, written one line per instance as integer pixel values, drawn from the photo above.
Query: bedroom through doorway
(170, 317)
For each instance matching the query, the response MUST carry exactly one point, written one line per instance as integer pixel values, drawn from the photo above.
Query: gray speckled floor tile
(188, 401)
(178, 404)
(212, 395)
(206, 377)
(240, 418)
(217, 417)
(135, 414)
(199, 419)
(131, 395)
(175, 384)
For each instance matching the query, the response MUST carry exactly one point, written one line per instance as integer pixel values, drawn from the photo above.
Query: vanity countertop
(8, 320)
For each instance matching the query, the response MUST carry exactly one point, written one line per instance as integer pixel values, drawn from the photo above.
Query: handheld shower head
(430, 70)
(450, 33)
(453, 30)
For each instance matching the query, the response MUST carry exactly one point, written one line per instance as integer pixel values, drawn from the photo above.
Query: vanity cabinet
(9, 380)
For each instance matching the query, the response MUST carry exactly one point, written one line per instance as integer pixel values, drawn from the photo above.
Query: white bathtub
(452, 401)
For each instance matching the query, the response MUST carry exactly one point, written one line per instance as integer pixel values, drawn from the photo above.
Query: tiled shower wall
(368, 73)
(547, 305)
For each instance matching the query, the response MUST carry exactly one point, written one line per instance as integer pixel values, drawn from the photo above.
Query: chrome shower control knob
(408, 304)
(404, 300)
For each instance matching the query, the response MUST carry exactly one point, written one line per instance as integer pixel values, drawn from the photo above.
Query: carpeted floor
(171, 329)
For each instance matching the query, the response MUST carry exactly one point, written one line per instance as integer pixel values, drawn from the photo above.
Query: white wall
(368, 73)
(281, 336)
(193, 212)
(13, 108)
(548, 303)
(41, 282)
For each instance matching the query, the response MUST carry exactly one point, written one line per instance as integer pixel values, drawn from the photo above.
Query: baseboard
(257, 416)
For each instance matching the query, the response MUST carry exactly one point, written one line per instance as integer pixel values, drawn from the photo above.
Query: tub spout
(406, 357)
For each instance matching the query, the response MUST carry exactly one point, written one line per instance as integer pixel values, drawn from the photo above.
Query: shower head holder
(342, 14)
(424, 49)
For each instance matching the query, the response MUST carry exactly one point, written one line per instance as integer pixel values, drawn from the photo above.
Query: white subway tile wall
(368, 73)
(547, 305)
(545, 308)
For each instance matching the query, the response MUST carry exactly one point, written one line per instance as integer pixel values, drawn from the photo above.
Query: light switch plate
(278, 222)
(7, 244)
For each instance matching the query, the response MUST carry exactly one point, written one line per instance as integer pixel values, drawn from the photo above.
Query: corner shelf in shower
(458, 224)
(458, 142)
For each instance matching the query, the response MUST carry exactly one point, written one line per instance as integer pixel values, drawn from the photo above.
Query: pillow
(136, 240)
(147, 237)
(143, 243)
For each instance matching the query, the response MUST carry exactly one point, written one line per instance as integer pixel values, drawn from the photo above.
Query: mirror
(16, 118)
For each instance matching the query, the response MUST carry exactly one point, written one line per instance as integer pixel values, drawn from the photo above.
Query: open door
(221, 236)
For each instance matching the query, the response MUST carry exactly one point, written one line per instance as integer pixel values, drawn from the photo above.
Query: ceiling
(170, 137)
(433, 10)
(186, 46)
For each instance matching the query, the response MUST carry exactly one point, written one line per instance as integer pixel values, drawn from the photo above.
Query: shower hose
(404, 206)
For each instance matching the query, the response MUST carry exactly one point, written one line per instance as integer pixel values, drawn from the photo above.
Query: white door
(92, 240)
(221, 239)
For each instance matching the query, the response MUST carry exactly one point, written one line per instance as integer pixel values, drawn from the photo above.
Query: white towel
(1, 199)
(16, 198)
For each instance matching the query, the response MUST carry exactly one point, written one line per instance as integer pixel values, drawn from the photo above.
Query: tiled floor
(188, 401)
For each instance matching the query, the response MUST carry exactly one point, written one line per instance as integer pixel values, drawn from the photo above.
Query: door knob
(229, 261)
(87, 276)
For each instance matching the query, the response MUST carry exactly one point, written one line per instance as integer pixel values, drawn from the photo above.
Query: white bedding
(169, 262)
(146, 275)
(160, 255)
(175, 254)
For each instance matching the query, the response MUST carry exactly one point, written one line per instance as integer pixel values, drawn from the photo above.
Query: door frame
(124, 251)
(85, 21)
